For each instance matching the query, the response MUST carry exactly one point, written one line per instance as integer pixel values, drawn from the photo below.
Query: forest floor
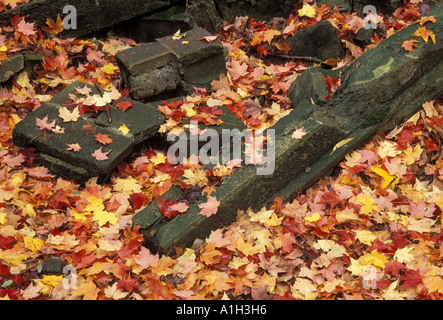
(372, 230)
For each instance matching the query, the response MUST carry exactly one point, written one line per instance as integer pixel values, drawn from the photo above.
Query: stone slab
(319, 41)
(244, 187)
(142, 120)
(10, 67)
(91, 15)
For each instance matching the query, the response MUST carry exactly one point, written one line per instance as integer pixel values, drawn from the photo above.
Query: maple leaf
(210, 207)
(87, 289)
(409, 45)
(411, 279)
(99, 155)
(84, 91)
(123, 129)
(146, 259)
(73, 147)
(54, 27)
(110, 69)
(103, 138)
(425, 34)
(88, 129)
(298, 134)
(237, 69)
(43, 123)
(26, 28)
(67, 115)
(425, 19)
(128, 185)
(307, 11)
(123, 105)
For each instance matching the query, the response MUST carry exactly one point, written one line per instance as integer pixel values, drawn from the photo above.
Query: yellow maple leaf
(103, 217)
(435, 283)
(33, 244)
(158, 158)
(110, 68)
(313, 218)
(387, 178)
(366, 201)
(365, 236)
(424, 34)
(87, 289)
(374, 258)
(123, 129)
(412, 154)
(307, 11)
(246, 248)
(128, 185)
(402, 255)
(3, 217)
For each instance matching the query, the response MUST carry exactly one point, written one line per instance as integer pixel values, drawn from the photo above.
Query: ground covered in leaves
(370, 231)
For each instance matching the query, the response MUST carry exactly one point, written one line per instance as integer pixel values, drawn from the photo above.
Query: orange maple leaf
(103, 138)
(424, 34)
(54, 27)
(409, 45)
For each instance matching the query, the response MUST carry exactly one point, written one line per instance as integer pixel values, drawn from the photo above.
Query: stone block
(142, 120)
(91, 15)
(319, 41)
(244, 187)
(169, 66)
(10, 67)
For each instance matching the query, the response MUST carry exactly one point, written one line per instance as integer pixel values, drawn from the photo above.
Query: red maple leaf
(394, 267)
(123, 105)
(127, 284)
(411, 279)
(103, 138)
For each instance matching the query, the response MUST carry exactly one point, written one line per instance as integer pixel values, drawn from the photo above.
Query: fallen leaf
(67, 115)
(99, 155)
(103, 138)
(43, 123)
(73, 147)
(298, 134)
(210, 207)
(54, 27)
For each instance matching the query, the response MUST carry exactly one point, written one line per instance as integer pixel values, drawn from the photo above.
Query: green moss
(375, 117)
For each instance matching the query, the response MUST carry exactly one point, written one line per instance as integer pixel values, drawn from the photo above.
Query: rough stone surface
(260, 10)
(91, 15)
(171, 65)
(143, 121)
(320, 41)
(10, 67)
(385, 86)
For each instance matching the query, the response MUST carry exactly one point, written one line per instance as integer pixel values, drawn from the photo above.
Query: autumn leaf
(67, 115)
(425, 34)
(54, 27)
(298, 134)
(104, 139)
(409, 45)
(99, 155)
(43, 123)
(110, 68)
(307, 11)
(425, 19)
(123, 105)
(123, 129)
(237, 69)
(73, 147)
(26, 28)
(210, 207)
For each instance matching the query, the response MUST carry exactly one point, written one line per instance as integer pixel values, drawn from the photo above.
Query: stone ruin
(383, 87)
